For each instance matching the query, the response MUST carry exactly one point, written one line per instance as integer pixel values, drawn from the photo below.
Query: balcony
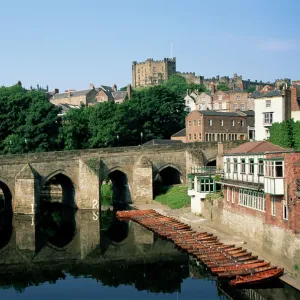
(274, 186)
(206, 171)
(244, 180)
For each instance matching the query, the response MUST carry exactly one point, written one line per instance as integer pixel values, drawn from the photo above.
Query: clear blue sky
(71, 43)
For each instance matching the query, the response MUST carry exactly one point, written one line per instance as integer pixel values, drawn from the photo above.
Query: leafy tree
(27, 115)
(281, 134)
(176, 84)
(296, 135)
(223, 87)
(74, 132)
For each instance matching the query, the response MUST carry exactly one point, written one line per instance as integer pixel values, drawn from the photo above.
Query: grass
(106, 194)
(174, 196)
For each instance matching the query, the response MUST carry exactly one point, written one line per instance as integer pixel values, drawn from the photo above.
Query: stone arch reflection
(59, 188)
(57, 224)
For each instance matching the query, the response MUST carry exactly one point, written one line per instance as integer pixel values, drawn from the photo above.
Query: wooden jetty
(225, 261)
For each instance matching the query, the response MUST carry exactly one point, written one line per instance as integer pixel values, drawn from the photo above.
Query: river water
(66, 254)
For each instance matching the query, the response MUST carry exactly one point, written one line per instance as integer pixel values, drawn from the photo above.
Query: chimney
(92, 86)
(212, 88)
(69, 94)
(220, 156)
(129, 91)
(114, 88)
(56, 91)
(19, 83)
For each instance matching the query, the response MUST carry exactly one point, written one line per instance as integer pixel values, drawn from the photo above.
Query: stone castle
(154, 72)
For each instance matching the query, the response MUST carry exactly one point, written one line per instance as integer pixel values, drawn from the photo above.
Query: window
(260, 167)
(267, 133)
(228, 165)
(210, 122)
(199, 107)
(235, 106)
(216, 106)
(190, 136)
(268, 118)
(223, 105)
(205, 185)
(251, 166)
(191, 183)
(268, 103)
(242, 123)
(199, 122)
(195, 136)
(232, 194)
(221, 123)
(228, 194)
(274, 168)
(189, 123)
(238, 97)
(285, 210)
(195, 123)
(242, 106)
(243, 166)
(199, 136)
(235, 165)
(273, 206)
(232, 123)
(252, 199)
(220, 97)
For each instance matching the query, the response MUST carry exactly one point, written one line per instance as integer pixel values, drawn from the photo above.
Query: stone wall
(277, 245)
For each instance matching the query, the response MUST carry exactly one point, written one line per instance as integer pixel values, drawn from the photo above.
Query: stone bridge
(79, 174)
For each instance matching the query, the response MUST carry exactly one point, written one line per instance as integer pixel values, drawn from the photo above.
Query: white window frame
(268, 118)
(228, 193)
(220, 97)
(224, 106)
(232, 194)
(273, 206)
(210, 122)
(285, 211)
(268, 103)
(221, 123)
(232, 123)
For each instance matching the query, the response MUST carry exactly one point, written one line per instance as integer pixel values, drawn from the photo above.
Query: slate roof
(220, 113)
(180, 133)
(257, 147)
(249, 113)
(120, 95)
(73, 94)
(161, 142)
(106, 88)
(274, 93)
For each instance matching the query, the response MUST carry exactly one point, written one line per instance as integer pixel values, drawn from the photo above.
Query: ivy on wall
(93, 164)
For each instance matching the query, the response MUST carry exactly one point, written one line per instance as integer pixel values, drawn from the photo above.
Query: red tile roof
(257, 147)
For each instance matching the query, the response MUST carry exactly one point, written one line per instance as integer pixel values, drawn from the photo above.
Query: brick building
(152, 72)
(205, 126)
(198, 101)
(179, 136)
(262, 180)
(295, 100)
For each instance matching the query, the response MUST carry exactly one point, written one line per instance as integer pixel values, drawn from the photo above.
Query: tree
(27, 114)
(223, 87)
(176, 84)
(250, 89)
(281, 134)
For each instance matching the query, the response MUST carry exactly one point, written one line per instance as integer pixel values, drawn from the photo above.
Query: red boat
(232, 274)
(219, 270)
(253, 260)
(257, 277)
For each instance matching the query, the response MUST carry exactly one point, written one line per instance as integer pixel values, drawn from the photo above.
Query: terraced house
(209, 126)
(262, 180)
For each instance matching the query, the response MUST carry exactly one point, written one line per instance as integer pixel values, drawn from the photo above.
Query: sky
(69, 44)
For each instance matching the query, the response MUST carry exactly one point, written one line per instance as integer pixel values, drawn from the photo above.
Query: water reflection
(67, 245)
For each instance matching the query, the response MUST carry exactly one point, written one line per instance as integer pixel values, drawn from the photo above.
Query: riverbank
(224, 234)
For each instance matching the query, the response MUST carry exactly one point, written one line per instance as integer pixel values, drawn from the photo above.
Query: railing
(208, 170)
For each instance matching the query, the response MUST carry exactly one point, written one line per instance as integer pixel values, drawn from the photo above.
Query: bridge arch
(212, 162)
(6, 196)
(168, 174)
(58, 187)
(121, 185)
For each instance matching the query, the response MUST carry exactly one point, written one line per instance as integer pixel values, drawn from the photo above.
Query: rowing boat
(232, 274)
(219, 270)
(257, 277)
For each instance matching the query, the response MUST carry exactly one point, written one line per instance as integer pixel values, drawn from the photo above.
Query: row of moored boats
(225, 261)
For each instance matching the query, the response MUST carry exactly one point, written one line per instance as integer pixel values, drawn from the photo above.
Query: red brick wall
(294, 103)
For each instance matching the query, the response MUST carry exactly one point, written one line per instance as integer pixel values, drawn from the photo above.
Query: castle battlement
(169, 60)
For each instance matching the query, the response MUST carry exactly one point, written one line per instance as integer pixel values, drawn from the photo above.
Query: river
(67, 254)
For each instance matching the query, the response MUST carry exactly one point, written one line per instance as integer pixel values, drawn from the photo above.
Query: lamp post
(141, 138)
(118, 139)
(10, 143)
(26, 149)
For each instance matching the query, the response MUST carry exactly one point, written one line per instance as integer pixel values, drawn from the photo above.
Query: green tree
(223, 87)
(281, 134)
(250, 89)
(176, 84)
(74, 132)
(296, 135)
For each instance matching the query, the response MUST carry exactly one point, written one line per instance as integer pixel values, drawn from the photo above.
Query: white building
(195, 101)
(270, 107)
